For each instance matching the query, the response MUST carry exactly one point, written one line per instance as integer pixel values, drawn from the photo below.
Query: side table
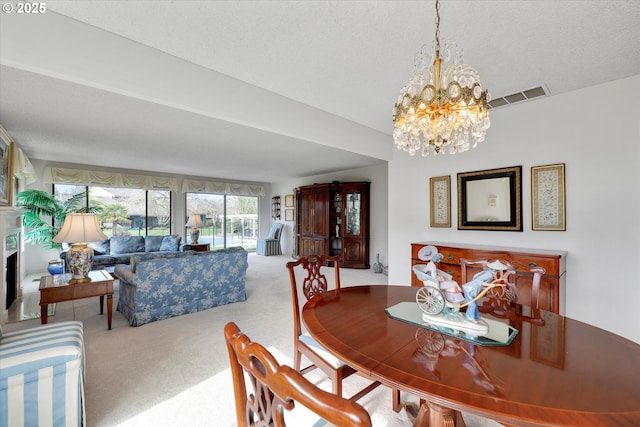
(200, 247)
(56, 288)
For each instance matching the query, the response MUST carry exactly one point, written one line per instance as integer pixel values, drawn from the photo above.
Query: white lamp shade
(194, 221)
(80, 227)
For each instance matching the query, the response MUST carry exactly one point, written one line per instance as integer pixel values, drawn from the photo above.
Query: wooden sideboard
(552, 285)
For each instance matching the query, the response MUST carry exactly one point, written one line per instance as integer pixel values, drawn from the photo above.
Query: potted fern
(44, 215)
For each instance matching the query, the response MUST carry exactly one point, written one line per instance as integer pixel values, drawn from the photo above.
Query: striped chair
(42, 376)
(271, 245)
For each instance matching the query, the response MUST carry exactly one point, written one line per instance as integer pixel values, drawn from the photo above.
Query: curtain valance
(22, 167)
(238, 189)
(108, 179)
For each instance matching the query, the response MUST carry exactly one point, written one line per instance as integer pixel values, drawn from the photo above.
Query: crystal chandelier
(443, 105)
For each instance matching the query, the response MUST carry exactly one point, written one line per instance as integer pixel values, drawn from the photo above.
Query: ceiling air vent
(514, 98)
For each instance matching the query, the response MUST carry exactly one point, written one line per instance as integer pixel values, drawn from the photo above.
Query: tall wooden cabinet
(333, 219)
(312, 210)
(552, 285)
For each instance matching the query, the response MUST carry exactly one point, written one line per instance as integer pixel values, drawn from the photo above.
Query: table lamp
(80, 229)
(194, 222)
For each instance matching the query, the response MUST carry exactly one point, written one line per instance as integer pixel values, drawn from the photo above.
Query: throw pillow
(170, 243)
(100, 248)
(152, 243)
(126, 244)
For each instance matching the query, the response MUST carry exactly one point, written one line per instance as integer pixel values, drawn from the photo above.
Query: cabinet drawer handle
(449, 257)
(532, 264)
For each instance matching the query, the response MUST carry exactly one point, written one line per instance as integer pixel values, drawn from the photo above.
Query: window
(126, 211)
(229, 220)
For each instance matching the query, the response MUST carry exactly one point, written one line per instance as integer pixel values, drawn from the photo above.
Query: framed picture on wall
(6, 170)
(548, 198)
(289, 214)
(288, 201)
(440, 201)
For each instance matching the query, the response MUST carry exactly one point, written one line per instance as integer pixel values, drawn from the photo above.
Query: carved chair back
(314, 282)
(499, 299)
(276, 388)
(500, 296)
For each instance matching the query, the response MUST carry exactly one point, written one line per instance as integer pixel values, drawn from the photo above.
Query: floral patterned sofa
(119, 249)
(156, 289)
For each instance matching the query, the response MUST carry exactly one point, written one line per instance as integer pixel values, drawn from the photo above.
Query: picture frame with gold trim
(288, 201)
(548, 198)
(289, 214)
(440, 201)
(6, 170)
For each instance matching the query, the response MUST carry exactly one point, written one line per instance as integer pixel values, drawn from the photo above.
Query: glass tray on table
(500, 333)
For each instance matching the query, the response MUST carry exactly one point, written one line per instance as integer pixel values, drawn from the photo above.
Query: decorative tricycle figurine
(441, 298)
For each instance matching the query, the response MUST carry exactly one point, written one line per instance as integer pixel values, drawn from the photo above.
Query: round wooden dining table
(555, 371)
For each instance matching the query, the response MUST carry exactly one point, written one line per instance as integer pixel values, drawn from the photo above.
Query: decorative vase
(79, 260)
(195, 234)
(377, 266)
(56, 266)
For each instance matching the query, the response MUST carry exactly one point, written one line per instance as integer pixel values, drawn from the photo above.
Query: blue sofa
(42, 376)
(119, 249)
(155, 289)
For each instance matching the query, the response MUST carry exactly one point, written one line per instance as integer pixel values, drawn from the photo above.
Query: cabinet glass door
(353, 213)
(335, 224)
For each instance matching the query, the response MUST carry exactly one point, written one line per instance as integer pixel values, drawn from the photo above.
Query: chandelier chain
(437, 28)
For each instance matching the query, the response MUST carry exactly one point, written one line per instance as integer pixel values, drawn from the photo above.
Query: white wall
(596, 133)
(377, 175)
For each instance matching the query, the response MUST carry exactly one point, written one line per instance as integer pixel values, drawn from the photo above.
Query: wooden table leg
(439, 416)
(432, 415)
(109, 309)
(101, 304)
(421, 417)
(395, 397)
(44, 309)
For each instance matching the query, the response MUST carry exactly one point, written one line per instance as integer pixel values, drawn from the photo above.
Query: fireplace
(11, 276)
(10, 229)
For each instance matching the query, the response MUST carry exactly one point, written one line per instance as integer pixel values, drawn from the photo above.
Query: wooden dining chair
(313, 284)
(276, 388)
(500, 298)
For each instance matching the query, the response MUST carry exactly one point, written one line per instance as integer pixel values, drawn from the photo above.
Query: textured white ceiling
(269, 90)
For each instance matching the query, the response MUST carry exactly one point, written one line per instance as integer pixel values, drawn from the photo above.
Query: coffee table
(56, 288)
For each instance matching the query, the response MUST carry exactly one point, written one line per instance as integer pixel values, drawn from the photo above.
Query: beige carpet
(175, 371)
